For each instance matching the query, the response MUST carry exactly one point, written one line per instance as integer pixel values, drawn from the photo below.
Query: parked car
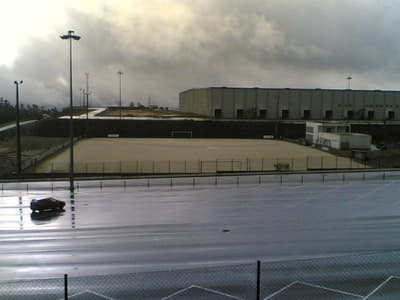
(46, 204)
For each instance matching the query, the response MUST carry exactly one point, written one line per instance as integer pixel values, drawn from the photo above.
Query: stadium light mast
(87, 95)
(87, 104)
(19, 168)
(71, 36)
(120, 94)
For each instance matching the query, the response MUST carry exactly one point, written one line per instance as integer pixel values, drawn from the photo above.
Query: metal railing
(206, 180)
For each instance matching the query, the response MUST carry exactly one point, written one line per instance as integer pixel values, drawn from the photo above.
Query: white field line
(378, 287)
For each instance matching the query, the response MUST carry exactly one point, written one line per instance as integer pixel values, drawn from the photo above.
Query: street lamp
(17, 83)
(71, 36)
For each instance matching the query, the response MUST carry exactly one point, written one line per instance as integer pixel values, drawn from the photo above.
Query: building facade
(291, 104)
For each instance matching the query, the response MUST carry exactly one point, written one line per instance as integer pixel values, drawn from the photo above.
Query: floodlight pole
(87, 104)
(71, 36)
(277, 116)
(120, 94)
(19, 168)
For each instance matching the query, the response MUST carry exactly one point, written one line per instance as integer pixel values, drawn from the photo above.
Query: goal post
(181, 134)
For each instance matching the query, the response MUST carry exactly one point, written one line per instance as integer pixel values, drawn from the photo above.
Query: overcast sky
(167, 46)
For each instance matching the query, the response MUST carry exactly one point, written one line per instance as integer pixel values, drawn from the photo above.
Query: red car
(47, 204)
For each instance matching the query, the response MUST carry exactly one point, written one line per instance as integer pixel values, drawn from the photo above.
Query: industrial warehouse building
(292, 104)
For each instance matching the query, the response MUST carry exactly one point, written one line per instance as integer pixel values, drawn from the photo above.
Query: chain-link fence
(370, 276)
(209, 166)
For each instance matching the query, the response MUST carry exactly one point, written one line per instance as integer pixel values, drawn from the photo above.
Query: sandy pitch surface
(130, 155)
(131, 149)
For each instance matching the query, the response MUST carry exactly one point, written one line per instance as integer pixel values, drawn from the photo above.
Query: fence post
(306, 163)
(262, 164)
(336, 162)
(258, 293)
(322, 162)
(66, 286)
(184, 167)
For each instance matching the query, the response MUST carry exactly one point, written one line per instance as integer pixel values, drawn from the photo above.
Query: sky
(164, 47)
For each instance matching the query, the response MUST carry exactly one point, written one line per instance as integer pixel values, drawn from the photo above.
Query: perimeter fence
(213, 166)
(205, 180)
(369, 276)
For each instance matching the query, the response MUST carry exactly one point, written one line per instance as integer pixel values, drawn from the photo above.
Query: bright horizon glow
(26, 19)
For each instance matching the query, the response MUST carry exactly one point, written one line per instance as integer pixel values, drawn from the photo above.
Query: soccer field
(141, 155)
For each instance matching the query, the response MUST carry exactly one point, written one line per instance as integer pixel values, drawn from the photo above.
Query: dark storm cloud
(218, 43)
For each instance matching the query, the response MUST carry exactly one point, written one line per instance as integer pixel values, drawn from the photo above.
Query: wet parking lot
(333, 236)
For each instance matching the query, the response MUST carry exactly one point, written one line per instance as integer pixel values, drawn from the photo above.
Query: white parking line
(315, 286)
(202, 288)
(331, 290)
(281, 290)
(217, 292)
(178, 292)
(91, 292)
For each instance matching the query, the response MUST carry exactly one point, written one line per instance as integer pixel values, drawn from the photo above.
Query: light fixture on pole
(349, 78)
(71, 36)
(17, 83)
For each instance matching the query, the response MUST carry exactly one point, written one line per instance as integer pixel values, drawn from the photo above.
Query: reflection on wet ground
(45, 217)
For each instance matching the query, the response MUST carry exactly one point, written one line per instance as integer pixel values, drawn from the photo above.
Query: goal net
(181, 134)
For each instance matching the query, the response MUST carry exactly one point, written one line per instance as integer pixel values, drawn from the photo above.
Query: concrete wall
(293, 104)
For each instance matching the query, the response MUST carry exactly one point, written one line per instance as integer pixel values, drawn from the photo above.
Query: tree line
(8, 112)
